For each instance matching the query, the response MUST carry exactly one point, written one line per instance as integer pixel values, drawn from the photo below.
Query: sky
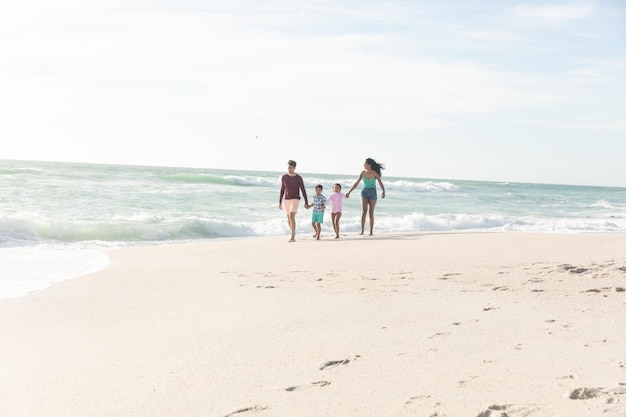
(495, 90)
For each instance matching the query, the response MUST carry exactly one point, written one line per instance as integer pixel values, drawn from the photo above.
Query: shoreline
(442, 323)
(52, 261)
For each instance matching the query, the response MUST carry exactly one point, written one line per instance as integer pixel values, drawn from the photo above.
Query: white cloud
(153, 79)
(578, 11)
(202, 65)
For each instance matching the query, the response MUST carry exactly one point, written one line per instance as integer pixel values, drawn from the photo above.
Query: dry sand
(391, 325)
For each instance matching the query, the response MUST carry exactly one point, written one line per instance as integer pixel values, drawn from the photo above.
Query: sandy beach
(446, 324)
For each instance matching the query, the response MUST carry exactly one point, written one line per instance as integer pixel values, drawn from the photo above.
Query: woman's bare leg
(372, 205)
(364, 207)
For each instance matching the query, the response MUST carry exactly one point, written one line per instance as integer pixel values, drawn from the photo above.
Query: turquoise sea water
(55, 218)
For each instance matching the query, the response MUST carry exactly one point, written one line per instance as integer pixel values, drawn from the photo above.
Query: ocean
(56, 218)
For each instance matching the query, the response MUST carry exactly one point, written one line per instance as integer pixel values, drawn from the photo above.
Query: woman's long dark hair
(377, 167)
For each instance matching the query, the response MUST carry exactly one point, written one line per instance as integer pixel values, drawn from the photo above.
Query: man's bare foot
(292, 240)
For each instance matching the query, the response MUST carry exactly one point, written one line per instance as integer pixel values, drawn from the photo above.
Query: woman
(370, 175)
(290, 186)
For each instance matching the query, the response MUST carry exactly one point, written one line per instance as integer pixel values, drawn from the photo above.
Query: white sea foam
(422, 186)
(241, 180)
(26, 269)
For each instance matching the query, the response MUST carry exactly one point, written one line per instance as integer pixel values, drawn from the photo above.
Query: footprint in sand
(588, 393)
(511, 410)
(317, 384)
(458, 323)
(333, 364)
(417, 398)
(447, 276)
(467, 381)
(495, 410)
(595, 342)
(611, 398)
(566, 380)
(584, 393)
(327, 365)
(424, 400)
(572, 269)
(247, 409)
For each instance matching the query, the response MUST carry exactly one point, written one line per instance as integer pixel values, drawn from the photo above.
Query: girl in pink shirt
(335, 199)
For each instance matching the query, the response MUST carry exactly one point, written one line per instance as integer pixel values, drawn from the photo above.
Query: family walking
(292, 188)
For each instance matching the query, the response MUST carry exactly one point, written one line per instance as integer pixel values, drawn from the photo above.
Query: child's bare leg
(336, 217)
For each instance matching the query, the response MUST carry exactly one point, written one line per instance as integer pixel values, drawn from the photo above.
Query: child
(319, 204)
(335, 200)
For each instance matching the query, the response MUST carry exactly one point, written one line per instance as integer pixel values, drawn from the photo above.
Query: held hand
(348, 194)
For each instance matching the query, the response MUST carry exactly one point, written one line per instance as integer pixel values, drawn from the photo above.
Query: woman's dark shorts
(369, 193)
